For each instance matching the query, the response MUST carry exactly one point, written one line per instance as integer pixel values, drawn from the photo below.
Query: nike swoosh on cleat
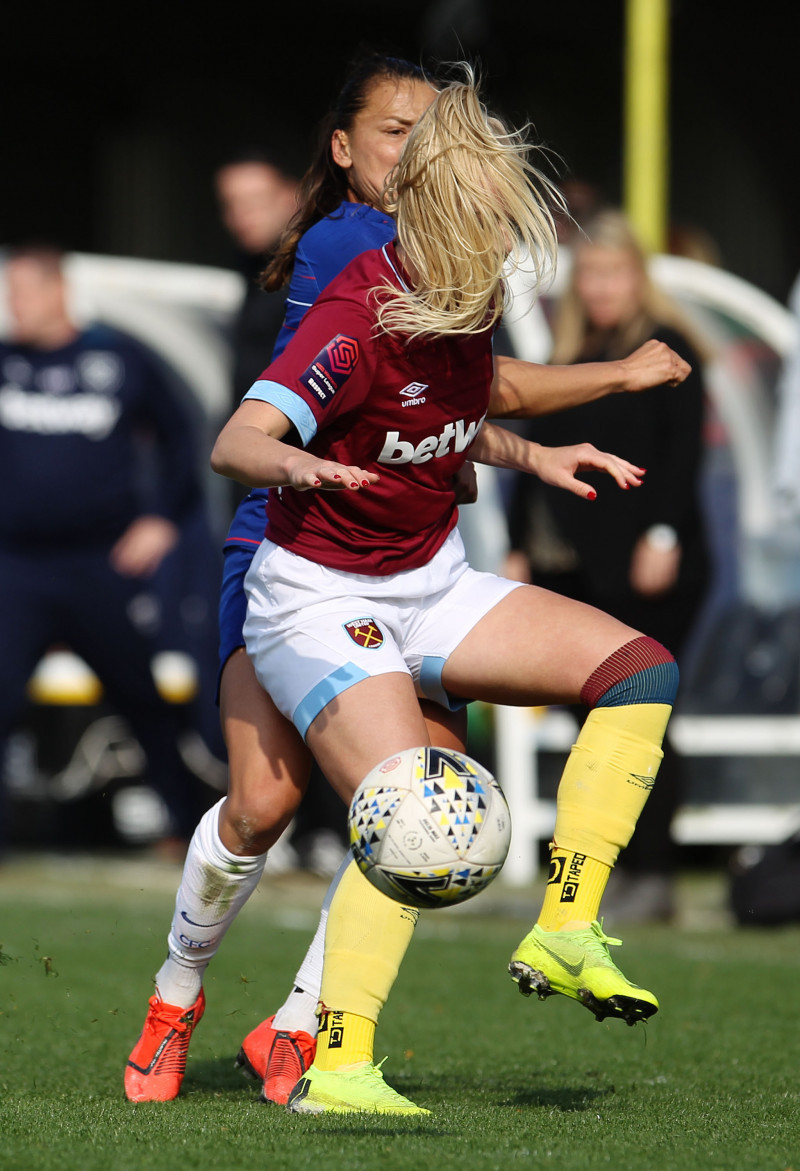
(573, 969)
(300, 1091)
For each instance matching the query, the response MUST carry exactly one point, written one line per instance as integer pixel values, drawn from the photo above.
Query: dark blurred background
(116, 117)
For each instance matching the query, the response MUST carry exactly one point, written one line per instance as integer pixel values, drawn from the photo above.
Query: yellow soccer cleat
(353, 1089)
(577, 964)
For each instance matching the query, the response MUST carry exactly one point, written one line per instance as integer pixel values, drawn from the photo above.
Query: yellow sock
(574, 889)
(603, 789)
(343, 1039)
(365, 940)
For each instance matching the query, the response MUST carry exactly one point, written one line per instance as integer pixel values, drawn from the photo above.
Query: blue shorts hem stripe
(431, 686)
(321, 695)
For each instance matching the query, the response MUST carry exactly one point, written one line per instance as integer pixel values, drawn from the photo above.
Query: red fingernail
(365, 483)
(337, 477)
(593, 495)
(353, 484)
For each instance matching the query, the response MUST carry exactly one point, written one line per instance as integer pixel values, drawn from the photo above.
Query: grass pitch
(712, 1082)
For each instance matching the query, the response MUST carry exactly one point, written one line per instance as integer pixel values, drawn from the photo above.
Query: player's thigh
(268, 763)
(533, 647)
(364, 724)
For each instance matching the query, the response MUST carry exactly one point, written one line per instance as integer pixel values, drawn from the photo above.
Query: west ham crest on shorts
(365, 632)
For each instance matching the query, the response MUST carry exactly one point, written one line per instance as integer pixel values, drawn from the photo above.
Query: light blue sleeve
(296, 409)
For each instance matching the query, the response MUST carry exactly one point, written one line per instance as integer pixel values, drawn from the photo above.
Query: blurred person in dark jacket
(97, 473)
(257, 198)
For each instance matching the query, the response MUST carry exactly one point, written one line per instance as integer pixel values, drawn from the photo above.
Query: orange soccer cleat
(158, 1062)
(278, 1059)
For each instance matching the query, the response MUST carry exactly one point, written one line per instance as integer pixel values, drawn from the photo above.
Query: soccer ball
(430, 827)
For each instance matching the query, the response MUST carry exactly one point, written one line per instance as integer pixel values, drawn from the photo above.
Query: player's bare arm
(522, 390)
(250, 449)
(557, 466)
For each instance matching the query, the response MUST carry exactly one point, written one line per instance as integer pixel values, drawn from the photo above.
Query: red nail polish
(365, 483)
(593, 495)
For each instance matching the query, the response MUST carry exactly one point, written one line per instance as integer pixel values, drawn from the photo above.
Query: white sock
(299, 1010)
(214, 887)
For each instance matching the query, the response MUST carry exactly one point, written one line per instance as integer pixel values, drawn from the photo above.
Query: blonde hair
(571, 327)
(464, 195)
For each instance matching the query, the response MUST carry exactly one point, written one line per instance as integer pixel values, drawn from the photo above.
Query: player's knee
(641, 671)
(257, 823)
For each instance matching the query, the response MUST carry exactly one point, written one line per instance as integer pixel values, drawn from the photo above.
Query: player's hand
(558, 465)
(466, 482)
(306, 471)
(143, 546)
(653, 571)
(653, 364)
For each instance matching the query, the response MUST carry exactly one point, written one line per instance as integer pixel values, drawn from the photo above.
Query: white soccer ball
(430, 827)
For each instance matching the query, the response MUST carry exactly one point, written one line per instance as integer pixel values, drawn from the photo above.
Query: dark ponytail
(324, 185)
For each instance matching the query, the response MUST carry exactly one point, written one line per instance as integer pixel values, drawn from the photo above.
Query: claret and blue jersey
(408, 410)
(413, 429)
(325, 249)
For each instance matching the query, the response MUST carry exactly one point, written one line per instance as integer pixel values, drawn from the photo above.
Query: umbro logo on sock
(641, 782)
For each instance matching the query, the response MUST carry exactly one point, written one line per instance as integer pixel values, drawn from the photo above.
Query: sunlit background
(116, 116)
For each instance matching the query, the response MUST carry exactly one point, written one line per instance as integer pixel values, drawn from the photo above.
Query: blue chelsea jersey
(323, 251)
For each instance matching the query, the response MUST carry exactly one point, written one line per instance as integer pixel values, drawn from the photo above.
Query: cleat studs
(528, 980)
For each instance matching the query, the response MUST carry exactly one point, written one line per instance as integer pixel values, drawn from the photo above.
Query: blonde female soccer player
(341, 214)
(361, 523)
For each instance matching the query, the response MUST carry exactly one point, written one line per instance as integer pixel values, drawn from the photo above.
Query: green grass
(712, 1082)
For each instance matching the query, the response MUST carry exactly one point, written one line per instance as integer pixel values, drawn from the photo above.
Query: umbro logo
(641, 782)
(414, 394)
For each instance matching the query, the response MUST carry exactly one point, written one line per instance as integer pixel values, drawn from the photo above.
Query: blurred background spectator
(640, 556)
(787, 434)
(98, 475)
(257, 198)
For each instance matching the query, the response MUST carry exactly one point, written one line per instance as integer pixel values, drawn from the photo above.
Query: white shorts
(312, 631)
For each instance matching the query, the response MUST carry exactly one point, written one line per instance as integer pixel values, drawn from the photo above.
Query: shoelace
(598, 941)
(376, 1071)
(159, 1017)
